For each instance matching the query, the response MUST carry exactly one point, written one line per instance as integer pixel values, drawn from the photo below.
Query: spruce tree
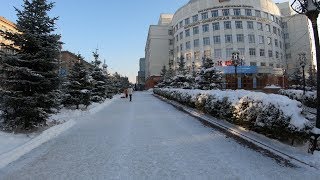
(163, 71)
(78, 90)
(182, 79)
(99, 80)
(209, 77)
(312, 79)
(31, 80)
(296, 77)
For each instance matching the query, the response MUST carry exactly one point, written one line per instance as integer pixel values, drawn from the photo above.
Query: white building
(268, 36)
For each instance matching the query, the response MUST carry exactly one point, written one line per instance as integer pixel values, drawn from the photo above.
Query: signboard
(240, 69)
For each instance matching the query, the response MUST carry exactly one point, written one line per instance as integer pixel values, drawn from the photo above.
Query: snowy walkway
(146, 139)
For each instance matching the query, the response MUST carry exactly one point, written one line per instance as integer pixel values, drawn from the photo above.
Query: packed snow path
(146, 139)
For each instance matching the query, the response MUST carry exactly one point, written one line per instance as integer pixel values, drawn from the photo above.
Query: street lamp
(311, 9)
(302, 62)
(235, 62)
(193, 69)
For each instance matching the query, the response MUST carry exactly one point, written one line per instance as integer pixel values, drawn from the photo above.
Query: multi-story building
(141, 73)
(260, 30)
(6, 25)
(67, 61)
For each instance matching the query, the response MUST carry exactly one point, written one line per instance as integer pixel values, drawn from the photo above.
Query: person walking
(126, 92)
(130, 91)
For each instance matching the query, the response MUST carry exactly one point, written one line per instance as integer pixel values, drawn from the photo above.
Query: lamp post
(283, 76)
(193, 69)
(311, 9)
(302, 62)
(236, 61)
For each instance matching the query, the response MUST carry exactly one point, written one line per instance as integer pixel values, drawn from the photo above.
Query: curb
(236, 134)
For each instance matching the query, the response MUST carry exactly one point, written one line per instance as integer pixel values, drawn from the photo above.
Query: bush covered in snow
(309, 99)
(273, 115)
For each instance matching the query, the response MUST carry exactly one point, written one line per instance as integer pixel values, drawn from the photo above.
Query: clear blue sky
(118, 28)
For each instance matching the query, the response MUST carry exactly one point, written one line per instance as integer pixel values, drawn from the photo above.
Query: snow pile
(272, 87)
(273, 115)
(309, 99)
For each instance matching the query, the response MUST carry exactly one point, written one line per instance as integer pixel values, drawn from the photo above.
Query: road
(146, 139)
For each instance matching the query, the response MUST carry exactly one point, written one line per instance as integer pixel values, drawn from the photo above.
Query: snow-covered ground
(147, 139)
(13, 146)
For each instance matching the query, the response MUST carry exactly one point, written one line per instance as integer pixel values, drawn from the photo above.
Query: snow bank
(309, 99)
(274, 115)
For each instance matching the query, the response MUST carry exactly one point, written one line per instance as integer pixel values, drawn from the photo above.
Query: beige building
(6, 25)
(269, 36)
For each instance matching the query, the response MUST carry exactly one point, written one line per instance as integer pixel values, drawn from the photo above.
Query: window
(270, 53)
(288, 56)
(170, 41)
(238, 24)
(287, 45)
(180, 24)
(229, 52)
(248, 12)
(269, 41)
(225, 12)
(251, 38)
(261, 39)
(268, 27)
(253, 64)
(266, 15)
(242, 51)
(250, 24)
(206, 41)
(286, 35)
(204, 15)
(187, 32)
(170, 32)
(181, 47)
(181, 35)
(240, 38)
(252, 51)
(280, 44)
(195, 30)
(271, 65)
(279, 34)
(260, 26)
(196, 43)
(276, 42)
(285, 25)
(216, 26)
(205, 28)
(177, 38)
(216, 40)
(274, 30)
(217, 53)
(228, 38)
(187, 21)
(227, 25)
(263, 64)
(215, 13)
(258, 13)
(237, 12)
(262, 52)
(272, 17)
(188, 45)
(277, 54)
(195, 18)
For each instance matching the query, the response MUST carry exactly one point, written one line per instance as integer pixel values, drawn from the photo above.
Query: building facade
(6, 25)
(141, 79)
(263, 32)
(68, 60)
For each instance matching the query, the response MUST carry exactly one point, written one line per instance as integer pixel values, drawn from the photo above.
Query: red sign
(228, 63)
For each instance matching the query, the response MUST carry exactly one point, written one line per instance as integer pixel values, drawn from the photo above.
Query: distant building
(67, 61)
(269, 36)
(141, 79)
(6, 25)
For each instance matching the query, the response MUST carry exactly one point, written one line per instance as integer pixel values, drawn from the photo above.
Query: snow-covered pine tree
(209, 76)
(30, 82)
(78, 89)
(99, 80)
(163, 71)
(182, 79)
(296, 77)
(312, 79)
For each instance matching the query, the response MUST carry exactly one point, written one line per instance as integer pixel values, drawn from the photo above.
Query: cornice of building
(6, 21)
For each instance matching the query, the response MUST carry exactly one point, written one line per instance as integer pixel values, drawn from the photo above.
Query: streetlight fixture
(235, 62)
(311, 9)
(302, 62)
